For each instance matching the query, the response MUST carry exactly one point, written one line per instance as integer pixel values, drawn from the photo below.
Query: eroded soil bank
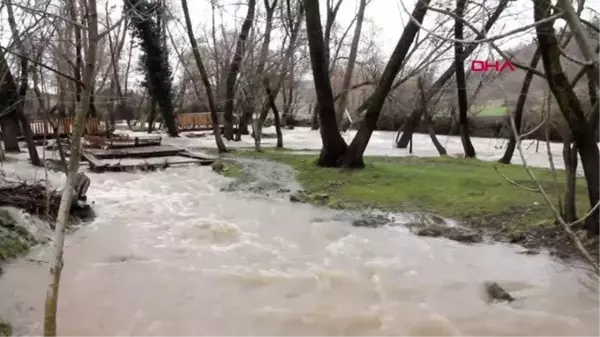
(523, 221)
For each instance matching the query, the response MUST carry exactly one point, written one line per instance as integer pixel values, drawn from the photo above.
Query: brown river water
(171, 254)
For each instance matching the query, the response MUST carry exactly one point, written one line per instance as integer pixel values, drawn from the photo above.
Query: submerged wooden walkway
(142, 158)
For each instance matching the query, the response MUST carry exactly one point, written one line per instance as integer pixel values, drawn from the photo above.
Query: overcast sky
(386, 17)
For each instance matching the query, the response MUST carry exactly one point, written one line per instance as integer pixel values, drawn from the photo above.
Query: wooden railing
(194, 120)
(65, 126)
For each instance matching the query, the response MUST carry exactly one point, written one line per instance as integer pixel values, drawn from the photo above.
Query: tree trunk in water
(510, 149)
(18, 98)
(234, 69)
(2, 154)
(334, 145)
(276, 118)
(461, 82)
(314, 122)
(152, 116)
(254, 90)
(438, 146)
(10, 133)
(205, 80)
(353, 158)
(413, 120)
(56, 265)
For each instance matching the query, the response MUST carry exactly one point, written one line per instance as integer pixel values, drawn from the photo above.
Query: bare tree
(234, 69)
(461, 83)
(91, 42)
(205, 79)
(343, 97)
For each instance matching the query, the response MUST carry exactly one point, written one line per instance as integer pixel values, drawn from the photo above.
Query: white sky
(386, 16)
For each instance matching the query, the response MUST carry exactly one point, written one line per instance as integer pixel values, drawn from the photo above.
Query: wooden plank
(142, 166)
(197, 155)
(96, 165)
(136, 152)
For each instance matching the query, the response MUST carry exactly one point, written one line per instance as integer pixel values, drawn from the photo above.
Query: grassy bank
(463, 189)
(14, 239)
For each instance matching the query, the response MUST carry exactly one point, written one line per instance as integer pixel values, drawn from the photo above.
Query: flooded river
(171, 254)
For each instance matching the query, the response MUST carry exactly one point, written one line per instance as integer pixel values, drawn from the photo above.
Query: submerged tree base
(463, 189)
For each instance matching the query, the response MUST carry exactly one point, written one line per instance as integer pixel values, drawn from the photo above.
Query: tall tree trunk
(294, 23)
(260, 69)
(510, 149)
(461, 81)
(351, 61)
(21, 95)
(151, 115)
(157, 71)
(276, 117)
(56, 265)
(234, 70)
(570, 159)
(428, 119)
(354, 155)
(334, 145)
(581, 128)
(415, 117)
(205, 80)
(78, 57)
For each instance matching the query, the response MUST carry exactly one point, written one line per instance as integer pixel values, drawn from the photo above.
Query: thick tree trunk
(10, 133)
(334, 145)
(461, 81)
(512, 143)
(152, 116)
(18, 98)
(234, 69)
(415, 117)
(570, 106)
(570, 159)
(205, 80)
(354, 155)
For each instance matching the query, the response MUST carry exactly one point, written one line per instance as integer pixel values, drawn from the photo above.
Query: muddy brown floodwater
(172, 254)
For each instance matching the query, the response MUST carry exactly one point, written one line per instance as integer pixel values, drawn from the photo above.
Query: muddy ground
(270, 179)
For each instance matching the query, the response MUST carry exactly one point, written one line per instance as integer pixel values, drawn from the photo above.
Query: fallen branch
(566, 226)
(36, 199)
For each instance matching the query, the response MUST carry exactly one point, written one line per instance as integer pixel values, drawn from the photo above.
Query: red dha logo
(484, 66)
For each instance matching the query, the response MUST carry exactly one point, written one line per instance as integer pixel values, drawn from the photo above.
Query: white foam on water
(200, 261)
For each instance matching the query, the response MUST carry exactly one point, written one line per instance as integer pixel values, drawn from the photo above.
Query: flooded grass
(231, 169)
(5, 328)
(464, 189)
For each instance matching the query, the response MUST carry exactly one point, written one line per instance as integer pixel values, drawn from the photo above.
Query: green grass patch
(5, 328)
(459, 188)
(231, 169)
(490, 110)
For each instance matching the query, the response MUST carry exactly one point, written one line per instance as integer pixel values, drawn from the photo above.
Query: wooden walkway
(119, 141)
(142, 158)
(135, 152)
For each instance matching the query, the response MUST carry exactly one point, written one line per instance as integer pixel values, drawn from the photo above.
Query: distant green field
(491, 110)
